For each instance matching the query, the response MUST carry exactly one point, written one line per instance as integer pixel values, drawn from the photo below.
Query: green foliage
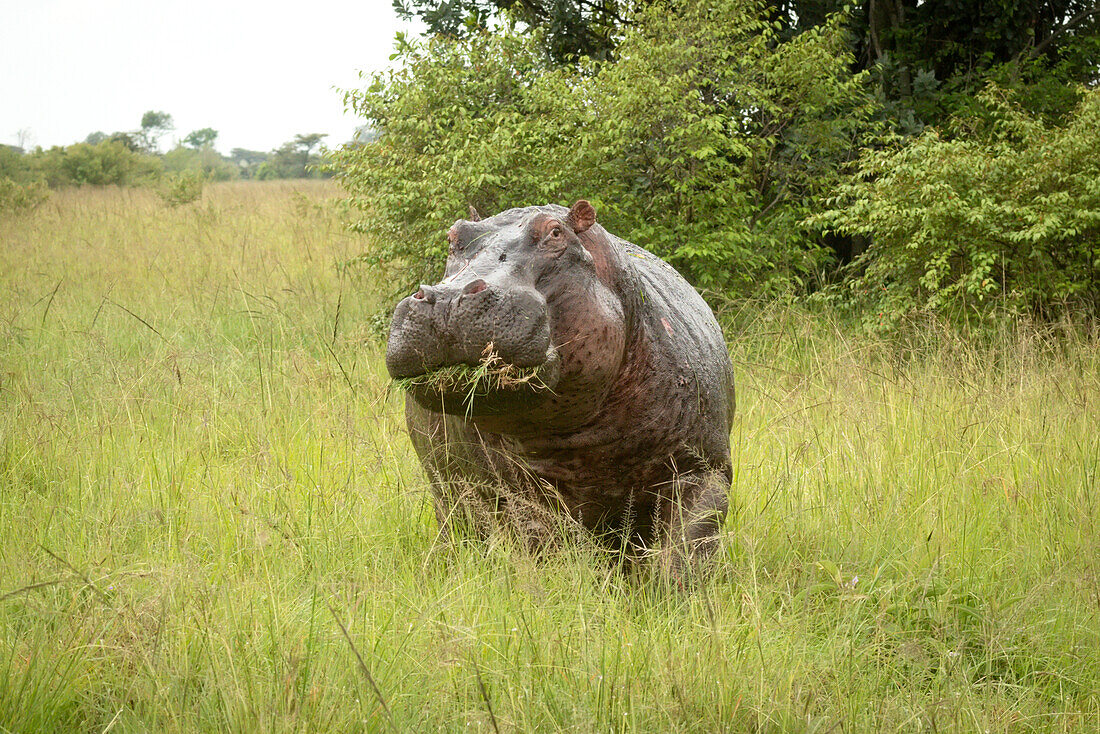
(16, 166)
(204, 161)
(707, 141)
(928, 59)
(962, 44)
(1006, 214)
(715, 139)
(293, 159)
(154, 125)
(459, 123)
(572, 29)
(248, 161)
(21, 198)
(183, 187)
(131, 158)
(201, 139)
(108, 162)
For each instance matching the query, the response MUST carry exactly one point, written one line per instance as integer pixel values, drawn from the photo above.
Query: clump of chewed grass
(490, 374)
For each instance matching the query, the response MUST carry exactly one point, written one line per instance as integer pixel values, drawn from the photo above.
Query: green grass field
(211, 518)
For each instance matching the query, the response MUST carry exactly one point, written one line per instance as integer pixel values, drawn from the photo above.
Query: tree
(154, 125)
(574, 28)
(110, 161)
(306, 143)
(206, 161)
(23, 138)
(201, 139)
(1007, 216)
(363, 134)
(293, 159)
(133, 142)
(248, 160)
(708, 141)
(930, 58)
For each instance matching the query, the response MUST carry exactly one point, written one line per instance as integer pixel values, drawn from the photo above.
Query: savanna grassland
(211, 519)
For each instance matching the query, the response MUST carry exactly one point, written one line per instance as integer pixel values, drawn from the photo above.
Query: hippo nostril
(475, 286)
(425, 294)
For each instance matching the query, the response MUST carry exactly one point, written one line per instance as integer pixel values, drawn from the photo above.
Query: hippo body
(626, 428)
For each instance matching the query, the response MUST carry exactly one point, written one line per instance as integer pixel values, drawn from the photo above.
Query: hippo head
(509, 282)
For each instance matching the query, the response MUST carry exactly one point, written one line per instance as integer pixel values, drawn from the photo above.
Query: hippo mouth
(491, 386)
(472, 349)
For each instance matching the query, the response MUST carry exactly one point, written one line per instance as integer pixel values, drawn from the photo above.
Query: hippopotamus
(621, 419)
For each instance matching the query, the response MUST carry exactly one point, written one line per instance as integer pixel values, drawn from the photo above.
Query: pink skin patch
(668, 326)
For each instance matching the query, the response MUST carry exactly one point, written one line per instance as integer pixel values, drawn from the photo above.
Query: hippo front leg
(460, 511)
(692, 521)
(451, 459)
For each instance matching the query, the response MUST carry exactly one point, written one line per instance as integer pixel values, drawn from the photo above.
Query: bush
(714, 139)
(206, 162)
(107, 162)
(708, 141)
(460, 124)
(16, 166)
(21, 198)
(1006, 215)
(183, 187)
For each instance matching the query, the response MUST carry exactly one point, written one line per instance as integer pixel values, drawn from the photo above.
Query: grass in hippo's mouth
(491, 373)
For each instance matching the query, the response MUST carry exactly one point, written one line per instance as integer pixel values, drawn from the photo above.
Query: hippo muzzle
(460, 324)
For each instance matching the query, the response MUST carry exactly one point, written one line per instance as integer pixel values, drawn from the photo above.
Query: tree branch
(1061, 30)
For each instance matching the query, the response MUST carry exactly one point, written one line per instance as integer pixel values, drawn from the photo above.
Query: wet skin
(627, 428)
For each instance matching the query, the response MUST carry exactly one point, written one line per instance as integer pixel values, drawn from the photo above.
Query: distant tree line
(134, 157)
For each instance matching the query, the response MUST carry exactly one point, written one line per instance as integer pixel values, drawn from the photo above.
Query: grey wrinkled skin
(628, 433)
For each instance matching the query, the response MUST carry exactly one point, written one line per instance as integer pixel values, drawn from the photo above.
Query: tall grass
(211, 520)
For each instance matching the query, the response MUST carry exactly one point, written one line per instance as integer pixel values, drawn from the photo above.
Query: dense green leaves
(729, 138)
(734, 139)
(1007, 214)
(460, 123)
(928, 58)
(109, 162)
(200, 139)
(572, 29)
(708, 140)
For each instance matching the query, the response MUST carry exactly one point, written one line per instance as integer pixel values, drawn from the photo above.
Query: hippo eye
(555, 232)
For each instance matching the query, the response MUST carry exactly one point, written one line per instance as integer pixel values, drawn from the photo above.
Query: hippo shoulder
(665, 297)
(670, 315)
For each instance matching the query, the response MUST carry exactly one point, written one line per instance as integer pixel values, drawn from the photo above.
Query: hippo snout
(445, 325)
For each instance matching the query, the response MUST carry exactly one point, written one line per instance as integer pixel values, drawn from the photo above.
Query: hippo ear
(474, 216)
(581, 216)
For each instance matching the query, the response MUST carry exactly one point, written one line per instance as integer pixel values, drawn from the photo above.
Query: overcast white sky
(257, 72)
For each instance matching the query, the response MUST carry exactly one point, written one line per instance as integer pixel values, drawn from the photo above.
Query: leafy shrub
(708, 141)
(21, 198)
(460, 124)
(107, 162)
(206, 162)
(183, 187)
(16, 166)
(1007, 214)
(714, 139)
